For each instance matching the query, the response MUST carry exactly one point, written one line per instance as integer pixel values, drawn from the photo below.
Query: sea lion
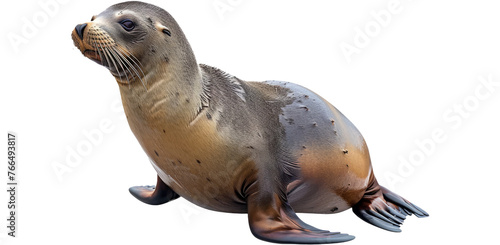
(268, 149)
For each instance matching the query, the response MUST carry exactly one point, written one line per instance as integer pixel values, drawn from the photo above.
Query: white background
(414, 70)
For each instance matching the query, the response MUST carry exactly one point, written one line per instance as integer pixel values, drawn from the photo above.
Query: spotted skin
(333, 157)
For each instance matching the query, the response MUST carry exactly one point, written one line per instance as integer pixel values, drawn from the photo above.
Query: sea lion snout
(79, 30)
(96, 41)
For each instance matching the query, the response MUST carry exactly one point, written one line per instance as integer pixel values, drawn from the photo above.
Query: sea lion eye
(127, 24)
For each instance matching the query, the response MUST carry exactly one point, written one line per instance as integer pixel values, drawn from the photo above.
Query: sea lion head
(135, 40)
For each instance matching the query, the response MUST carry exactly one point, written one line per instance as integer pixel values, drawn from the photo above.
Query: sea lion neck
(172, 95)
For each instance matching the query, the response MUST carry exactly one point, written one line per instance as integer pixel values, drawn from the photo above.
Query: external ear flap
(163, 29)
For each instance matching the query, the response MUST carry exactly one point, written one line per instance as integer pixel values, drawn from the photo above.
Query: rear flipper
(154, 195)
(385, 209)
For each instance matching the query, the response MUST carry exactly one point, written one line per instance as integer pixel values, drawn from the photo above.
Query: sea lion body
(268, 149)
(206, 161)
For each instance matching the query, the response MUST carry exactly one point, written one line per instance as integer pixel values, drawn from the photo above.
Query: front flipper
(274, 220)
(154, 195)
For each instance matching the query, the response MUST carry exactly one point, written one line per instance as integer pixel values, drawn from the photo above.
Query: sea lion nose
(79, 30)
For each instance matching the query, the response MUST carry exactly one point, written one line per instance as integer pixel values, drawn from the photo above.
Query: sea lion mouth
(92, 55)
(95, 56)
(120, 66)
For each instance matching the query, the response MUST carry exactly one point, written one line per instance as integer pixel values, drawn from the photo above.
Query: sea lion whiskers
(100, 48)
(125, 67)
(128, 63)
(102, 54)
(106, 50)
(136, 66)
(122, 65)
(112, 57)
